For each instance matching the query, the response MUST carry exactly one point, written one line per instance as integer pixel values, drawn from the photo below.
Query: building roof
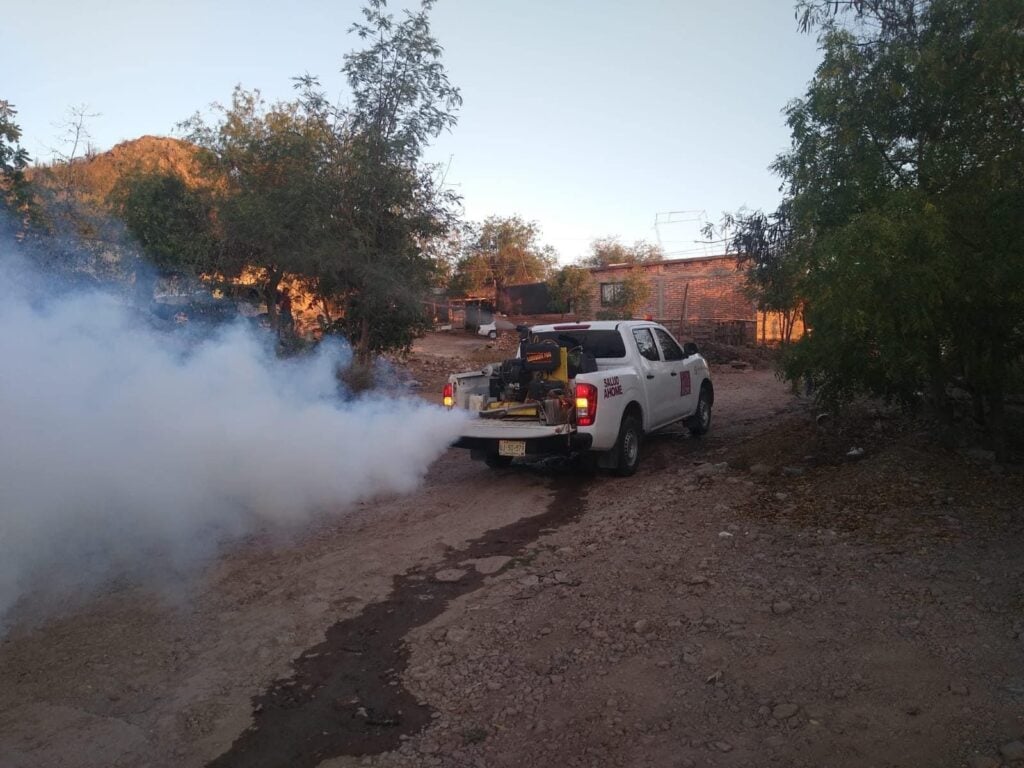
(687, 260)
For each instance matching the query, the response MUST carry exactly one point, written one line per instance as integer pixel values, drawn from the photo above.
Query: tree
(504, 251)
(77, 145)
(71, 209)
(172, 222)
(15, 191)
(339, 196)
(571, 289)
(606, 251)
(767, 247)
(267, 169)
(389, 206)
(904, 184)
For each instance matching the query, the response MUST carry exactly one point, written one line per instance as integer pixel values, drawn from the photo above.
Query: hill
(93, 177)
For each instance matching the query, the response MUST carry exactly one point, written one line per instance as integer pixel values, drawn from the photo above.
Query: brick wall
(693, 290)
(701, 298)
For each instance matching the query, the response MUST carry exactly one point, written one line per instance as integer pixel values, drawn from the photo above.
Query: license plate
(511, 447)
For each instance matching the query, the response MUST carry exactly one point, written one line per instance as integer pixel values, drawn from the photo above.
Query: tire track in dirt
(345, 696)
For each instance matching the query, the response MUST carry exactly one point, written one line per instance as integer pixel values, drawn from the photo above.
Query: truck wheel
(700, 422)
(627, 449)
(495, 461)
(492, 334)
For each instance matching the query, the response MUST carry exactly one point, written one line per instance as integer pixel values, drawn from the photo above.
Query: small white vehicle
(594, 386)
(498, 324)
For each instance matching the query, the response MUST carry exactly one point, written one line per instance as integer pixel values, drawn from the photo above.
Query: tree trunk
(683, 313)
(498, 286)
(271, 296)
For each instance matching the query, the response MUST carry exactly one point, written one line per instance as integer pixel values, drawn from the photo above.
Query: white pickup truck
(592, 386)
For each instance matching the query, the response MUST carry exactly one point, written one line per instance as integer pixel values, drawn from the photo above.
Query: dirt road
(747, 599)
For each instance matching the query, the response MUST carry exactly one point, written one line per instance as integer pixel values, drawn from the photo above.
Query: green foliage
(503, 251)
(268, 169)
(768, 247)
(606, 251)
(337, 195)
(383, 326)
(171, 222)
(571, 289)
(905, 186)
(764, 244)
(574, 285)
(402, 98)
(883, 299)
(15, 191)
(391, 205)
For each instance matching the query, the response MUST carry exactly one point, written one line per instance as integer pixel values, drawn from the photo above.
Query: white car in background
(491, 329)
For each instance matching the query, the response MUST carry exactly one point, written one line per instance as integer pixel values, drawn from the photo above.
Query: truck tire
(627, 448)
(496, 461)
(700, 422)
(492, 334)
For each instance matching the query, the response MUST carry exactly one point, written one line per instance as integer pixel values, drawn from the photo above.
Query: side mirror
(690, 349)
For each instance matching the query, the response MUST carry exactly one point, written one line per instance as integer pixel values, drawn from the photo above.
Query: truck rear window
(601, 344)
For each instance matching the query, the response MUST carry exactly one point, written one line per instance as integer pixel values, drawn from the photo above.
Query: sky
(590, 117)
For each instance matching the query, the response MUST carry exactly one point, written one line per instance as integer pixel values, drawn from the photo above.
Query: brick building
(703, 298)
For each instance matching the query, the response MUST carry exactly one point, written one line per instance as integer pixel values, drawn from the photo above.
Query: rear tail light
(448, 395)
(586, 404)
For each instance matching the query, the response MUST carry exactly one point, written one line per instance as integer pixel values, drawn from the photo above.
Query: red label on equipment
(684, 383)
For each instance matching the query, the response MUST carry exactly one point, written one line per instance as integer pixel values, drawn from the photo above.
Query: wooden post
(684, 315)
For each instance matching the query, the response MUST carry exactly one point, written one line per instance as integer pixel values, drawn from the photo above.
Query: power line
(698, 217)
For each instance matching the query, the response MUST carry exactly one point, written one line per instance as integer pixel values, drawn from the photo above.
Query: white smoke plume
(124, 449)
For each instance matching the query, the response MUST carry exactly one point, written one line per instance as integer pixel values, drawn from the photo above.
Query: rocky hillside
(93, 177)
